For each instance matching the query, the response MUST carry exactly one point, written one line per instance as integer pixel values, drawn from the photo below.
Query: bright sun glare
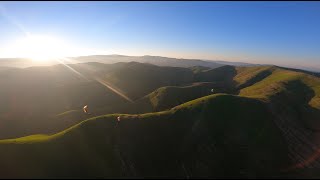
(40, 47)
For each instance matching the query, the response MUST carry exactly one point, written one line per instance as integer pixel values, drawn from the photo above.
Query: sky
(280, 33)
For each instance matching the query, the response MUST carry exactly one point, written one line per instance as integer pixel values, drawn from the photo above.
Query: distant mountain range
(155, 60)
(110, 59)
(159, 61)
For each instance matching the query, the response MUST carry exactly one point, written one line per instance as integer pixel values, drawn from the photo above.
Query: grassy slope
(294, 97)
(32, 94)
(216, 133)
(279, 79)
(247, 76)
(207, 137)
(295, 91)
(234, 78)
(132, 78)
(170, 96)
(243, 80)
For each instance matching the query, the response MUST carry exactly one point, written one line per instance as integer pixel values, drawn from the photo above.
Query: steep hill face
(293, 98)
(209, 137)
(283, 87)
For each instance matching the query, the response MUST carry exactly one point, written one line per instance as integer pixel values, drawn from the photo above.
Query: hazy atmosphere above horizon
(280, 33)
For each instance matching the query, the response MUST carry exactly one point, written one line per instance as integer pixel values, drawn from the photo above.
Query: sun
(41, 47)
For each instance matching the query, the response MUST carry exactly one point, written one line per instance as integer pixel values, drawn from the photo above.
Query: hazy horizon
(308, 68)
(279, 33)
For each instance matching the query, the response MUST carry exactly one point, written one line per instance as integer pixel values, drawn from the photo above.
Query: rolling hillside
(170, 96)
(137, 79)
(32, 94)
(188, 131)
(208, 137)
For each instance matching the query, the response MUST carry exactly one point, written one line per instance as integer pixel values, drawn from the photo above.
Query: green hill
(30, 95)
(234, 78)
(266, 121)
(298, 90)
(293, 97)
(247, 76)
(211, 136)
(170, 96)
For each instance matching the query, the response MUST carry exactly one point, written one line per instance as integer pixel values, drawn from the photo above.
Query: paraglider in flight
(85, 109)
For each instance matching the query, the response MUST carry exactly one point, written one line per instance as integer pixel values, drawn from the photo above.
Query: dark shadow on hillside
(295, 100)
(222, 75)
(300, 125)
(260, 76)
(213, 137)
(227, 123)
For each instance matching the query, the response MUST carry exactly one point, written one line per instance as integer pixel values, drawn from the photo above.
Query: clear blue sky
(258, 32)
